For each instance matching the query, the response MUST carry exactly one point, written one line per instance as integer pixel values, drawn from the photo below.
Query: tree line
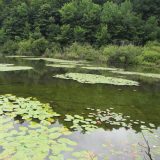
(97, 22)
(84, 29)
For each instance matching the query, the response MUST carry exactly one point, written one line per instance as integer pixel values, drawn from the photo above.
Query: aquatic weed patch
(80, 123)
(60, 61)
(101, 68)
(43, 140)
(61, 65)
(107, 119)
(111, 119)
(26, 108)
(93, 79)
(151, 75)
(34, 141)
(11, 67)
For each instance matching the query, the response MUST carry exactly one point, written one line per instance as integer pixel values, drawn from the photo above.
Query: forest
(125, 32)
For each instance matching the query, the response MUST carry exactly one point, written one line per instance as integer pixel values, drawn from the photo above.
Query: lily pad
(27, 108)
(93, 79)
(80, 123)
(25, 143)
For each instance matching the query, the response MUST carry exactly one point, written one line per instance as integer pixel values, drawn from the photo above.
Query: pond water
(116, 139)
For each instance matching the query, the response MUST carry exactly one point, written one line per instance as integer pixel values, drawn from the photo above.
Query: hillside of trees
(48, 27)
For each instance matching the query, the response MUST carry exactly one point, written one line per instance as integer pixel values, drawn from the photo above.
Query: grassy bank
(110, 54)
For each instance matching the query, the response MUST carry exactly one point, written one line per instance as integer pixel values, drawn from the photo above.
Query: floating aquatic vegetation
(151, 75)
(93, 79)
(27, 108)
(24, 142)
(5, 65)
(33, 140)
(61, 65)
(101, 68)
(80, 123)
(109, 118)
(38, 141)
(56, 60)
(11, 67)
(18, 56)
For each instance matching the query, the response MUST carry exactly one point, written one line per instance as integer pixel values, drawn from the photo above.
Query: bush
(39, 46)
(53, 50)
(10, 47)
(107, 51)
(122, 55)
(24, 47)
(78, 51)
(32, 47)
(151, 53)
(151, 56)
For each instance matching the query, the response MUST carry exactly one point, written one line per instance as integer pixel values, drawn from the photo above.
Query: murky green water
(140, 103)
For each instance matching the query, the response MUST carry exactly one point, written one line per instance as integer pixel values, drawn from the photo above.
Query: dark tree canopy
(98, 22)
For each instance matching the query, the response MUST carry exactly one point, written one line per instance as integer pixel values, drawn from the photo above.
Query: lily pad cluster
(80, 123)
(34, 141)
(26, 108)
(93, 79)
(11, 67)
(109, 118)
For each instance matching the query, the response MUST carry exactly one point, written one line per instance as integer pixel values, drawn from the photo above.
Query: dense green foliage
(48, 27)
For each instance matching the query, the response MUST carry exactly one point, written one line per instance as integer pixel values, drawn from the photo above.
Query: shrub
(107, 51)
(24, 47)
(53, 50)
(39, 46)
(151, 56)
(78, 51)
(10, 47)
(151, 53)
(123, 54)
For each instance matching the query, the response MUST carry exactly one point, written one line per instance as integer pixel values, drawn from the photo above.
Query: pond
(113, 118)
